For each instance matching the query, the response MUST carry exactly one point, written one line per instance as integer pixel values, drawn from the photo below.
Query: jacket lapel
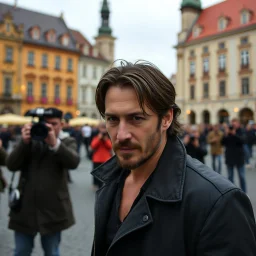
(138, 218)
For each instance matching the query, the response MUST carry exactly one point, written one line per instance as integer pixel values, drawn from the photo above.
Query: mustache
(126, 144)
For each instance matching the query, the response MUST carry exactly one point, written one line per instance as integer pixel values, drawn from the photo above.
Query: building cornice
(216, 36)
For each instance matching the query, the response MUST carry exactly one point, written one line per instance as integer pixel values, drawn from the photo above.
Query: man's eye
(111, 119)
(138, 118)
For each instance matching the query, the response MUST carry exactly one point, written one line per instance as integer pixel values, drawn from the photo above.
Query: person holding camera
(193, 146)
(45, 206)
(234, 153)
(101, 147)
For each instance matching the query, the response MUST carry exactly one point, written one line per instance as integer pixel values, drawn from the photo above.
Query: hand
(51, 139)
(100, 136)
(1, 143)
(25, 133)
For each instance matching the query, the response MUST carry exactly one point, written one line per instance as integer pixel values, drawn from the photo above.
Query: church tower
(105, 42)
(190, 10)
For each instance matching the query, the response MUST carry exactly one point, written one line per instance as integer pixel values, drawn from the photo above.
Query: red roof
(231, 9)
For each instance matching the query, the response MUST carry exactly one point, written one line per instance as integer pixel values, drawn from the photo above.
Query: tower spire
(105, 12)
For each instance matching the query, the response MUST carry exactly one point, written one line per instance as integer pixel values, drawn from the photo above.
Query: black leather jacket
(187, 210)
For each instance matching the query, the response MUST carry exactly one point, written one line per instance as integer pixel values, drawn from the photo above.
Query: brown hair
(151, 86)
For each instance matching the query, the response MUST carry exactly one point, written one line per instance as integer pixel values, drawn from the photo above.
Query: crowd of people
(155, 195)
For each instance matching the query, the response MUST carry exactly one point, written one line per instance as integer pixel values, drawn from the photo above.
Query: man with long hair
(155, 199)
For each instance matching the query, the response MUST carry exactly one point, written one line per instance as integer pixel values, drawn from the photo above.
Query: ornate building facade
(46, 61)
(216, 64)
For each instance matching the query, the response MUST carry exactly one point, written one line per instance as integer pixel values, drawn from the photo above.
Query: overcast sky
(145, 29)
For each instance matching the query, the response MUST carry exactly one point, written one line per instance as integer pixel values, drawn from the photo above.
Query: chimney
(15, 3)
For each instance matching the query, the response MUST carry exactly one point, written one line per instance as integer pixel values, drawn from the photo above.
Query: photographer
(193, 146)
(101, 146)
(3, 182)
(234, 154)
(45, 207)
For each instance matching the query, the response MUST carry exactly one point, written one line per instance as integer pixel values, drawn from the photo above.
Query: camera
(192, 138)
(39, 130)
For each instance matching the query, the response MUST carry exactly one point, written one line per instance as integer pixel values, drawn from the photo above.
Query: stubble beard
(156, 137)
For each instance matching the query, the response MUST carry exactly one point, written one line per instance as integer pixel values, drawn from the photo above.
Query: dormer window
(36, 34)
(222, 23)
(65, 40)
(86, 49)
(197, 31)
(51, 36)
(245, 17)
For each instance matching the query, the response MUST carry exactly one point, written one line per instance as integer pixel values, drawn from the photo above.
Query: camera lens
(39, 131)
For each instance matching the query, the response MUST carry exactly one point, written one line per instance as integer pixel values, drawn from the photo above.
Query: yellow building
(11, 36)
(216, 65)
(49, 67)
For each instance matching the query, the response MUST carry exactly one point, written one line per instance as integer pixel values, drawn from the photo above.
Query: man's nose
(123, 132)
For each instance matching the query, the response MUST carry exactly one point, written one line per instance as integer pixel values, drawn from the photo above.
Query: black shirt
(114, 222)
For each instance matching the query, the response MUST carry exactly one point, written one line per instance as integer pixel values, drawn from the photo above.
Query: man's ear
(167, 120)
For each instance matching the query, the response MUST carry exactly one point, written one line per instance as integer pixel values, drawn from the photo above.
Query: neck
(142, 173)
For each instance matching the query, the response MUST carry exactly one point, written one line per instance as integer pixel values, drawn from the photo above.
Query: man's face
(235, 123)
(135, 137)
(56, 124)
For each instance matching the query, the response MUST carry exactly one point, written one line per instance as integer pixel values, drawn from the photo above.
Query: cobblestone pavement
(77, 241)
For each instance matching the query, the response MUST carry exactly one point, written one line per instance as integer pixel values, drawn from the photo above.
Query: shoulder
(204, 182)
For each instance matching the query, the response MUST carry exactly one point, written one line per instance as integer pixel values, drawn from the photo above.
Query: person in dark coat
(46, 206)
(155, 199)
(235, 155)
(3, 154)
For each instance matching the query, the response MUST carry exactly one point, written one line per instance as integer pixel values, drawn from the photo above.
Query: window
(94, 73)
(29, 89)
(36, 34)
(205, 49)
(206, 90)
(52, 37)
(65, 41)
(222, 88)
(9, 54)
(57, 62)
(69, 92)
(192, 53)
(222, 62)
(83, 94)
(7, 86)
(31, 56)
(192, 68)
(8, 27)
(57, 91)
(84, 71)
(86, 49)
(196, 32)
(245, 86)
(244, 40)
(192, 92)
(244, 58)
(222, 45)
(43, 90)
(70, 64)
(222, 24)
(44, 60)
(206, 65)
(244, 17)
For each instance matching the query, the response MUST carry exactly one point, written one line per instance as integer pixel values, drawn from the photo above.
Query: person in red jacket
(102, 150)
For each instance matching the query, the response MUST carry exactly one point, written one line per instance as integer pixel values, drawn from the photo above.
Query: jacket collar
(168, 181)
